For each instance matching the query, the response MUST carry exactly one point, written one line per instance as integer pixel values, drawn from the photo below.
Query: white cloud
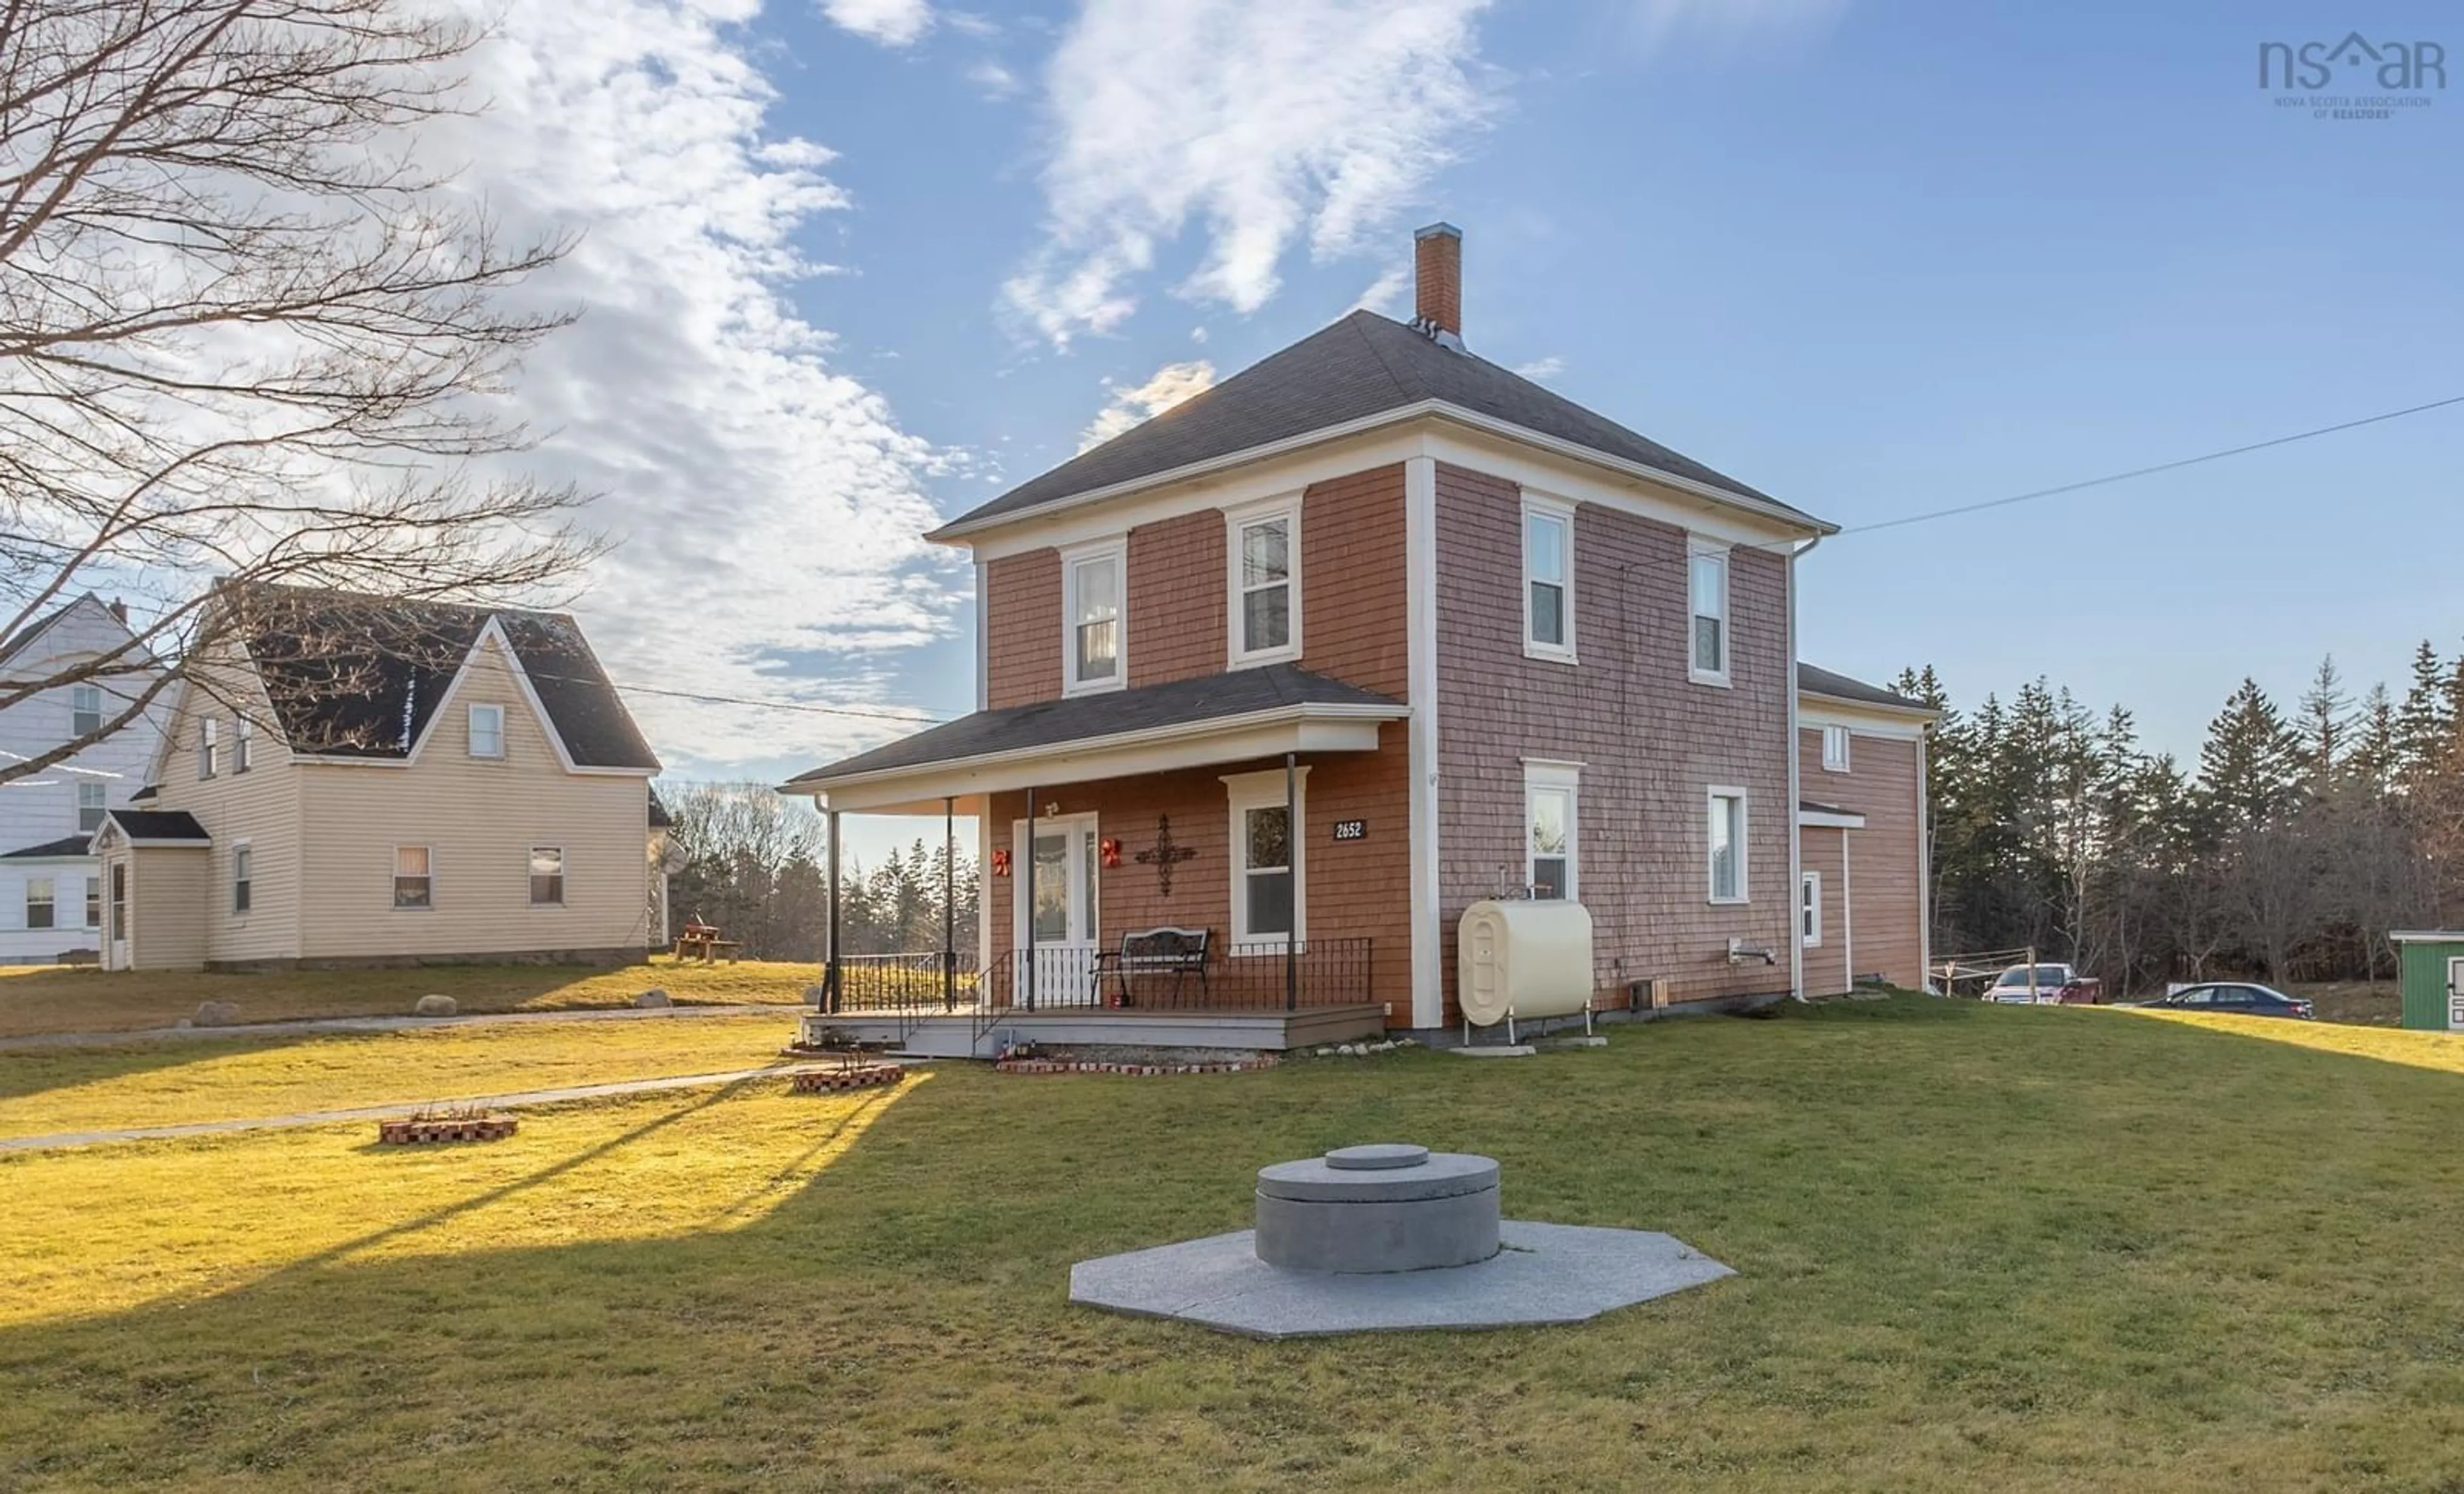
(768, 505)
(1542, 370)
(1170, 384)
(993, 80)
(1308, 120)
(1386, 294)
(893, 23)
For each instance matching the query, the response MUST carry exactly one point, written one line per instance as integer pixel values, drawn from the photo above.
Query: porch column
(831, 977)
(1031, 898)
(949, 904)
(1292, 855)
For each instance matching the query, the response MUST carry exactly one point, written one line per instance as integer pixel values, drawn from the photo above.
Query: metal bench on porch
(1177, 952)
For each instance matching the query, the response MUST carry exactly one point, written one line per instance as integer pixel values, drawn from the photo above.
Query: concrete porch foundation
(965, 1034)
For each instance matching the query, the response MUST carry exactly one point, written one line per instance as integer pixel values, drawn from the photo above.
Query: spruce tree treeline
(2287, 852)
(756, 868)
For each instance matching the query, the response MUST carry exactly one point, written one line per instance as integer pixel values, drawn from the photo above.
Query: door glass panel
(1086, 859)
(1051, 889)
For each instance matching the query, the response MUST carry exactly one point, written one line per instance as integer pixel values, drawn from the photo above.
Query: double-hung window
(1809, 909)
(92, 801)
(1091, 612)
(1707, 586)
(487, 731)
(1269, 905)
(1835, 749)
(1264, 584)
(547, 876)
(209, 748)
(243, 744)
(1727, 845)
(243, 878)
(85, 710)
(94, 902)
(414, 886)
(1548, 577)
(41, 908)
(1550, 860)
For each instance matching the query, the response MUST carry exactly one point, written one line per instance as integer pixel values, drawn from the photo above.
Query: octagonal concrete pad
(1545, 1273)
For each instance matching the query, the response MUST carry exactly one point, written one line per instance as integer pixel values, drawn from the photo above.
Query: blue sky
(1876, 260)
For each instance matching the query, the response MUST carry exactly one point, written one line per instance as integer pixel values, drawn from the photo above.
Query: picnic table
(701, 942)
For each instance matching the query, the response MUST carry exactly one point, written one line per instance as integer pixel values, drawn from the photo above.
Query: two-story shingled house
(356, 780)
(1372, 631)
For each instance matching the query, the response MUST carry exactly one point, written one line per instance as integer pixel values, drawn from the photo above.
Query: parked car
(2238, 997)
(2050, 985)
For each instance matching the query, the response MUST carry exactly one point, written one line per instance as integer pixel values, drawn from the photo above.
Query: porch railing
(904, 982)
(1234, 977)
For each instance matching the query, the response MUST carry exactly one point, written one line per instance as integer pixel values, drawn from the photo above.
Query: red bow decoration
(1112, 850)
(1001, 863)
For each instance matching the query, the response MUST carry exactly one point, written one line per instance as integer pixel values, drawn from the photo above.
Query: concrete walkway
(62, 1140)
(316, 1024)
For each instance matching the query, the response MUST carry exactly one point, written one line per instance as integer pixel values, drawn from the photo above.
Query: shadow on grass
(30, 1071)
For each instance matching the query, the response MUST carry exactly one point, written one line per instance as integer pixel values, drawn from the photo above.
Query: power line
(858, 711)
(2150, 471)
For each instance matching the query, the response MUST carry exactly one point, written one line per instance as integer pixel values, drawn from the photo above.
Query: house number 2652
(1352, 829)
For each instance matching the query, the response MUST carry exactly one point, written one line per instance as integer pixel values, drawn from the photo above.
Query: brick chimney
(1437, 279)
(119, 610)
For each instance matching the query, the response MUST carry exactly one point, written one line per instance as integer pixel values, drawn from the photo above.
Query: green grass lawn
(2012, 1248)
(44, 1091)
(49, 998)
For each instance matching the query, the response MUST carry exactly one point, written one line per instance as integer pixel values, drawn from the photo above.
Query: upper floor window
(1548, 853)
(209, 748)
(243, 744)
(1091, 603)
(1264, 586)
(1727, 845)
(1835, 749)
(1709, 588)
(85, 710)
(487, 731)
(1548, 579)
(93, 802)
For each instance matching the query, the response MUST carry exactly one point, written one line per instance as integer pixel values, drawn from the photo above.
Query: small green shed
(2432, 964)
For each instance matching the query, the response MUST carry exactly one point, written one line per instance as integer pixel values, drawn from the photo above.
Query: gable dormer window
(487, 731)
(85, 710)
(1091, 583)
(209, 748)
(1264, 584)
(1548, 579)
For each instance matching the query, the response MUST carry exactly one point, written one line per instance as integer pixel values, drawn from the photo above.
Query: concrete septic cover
(1389, 1236)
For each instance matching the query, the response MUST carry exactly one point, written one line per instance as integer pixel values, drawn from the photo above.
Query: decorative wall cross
(1164, 853)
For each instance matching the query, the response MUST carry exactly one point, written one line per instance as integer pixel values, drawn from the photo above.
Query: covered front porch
(1146, 878)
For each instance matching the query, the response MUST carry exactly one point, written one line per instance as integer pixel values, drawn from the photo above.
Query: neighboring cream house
(51, 903)
(366, 781)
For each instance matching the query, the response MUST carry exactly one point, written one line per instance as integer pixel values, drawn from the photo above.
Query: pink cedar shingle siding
(1885, 889)
(1651, 742)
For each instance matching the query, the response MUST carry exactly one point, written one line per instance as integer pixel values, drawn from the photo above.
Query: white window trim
(50, 900)
(1264, 790)
(1554, 775)
(77, 799)
(243, 744)
(471, 731)
(249, 846)
(75, 691)
(209, 748)
(1698, 548)
(393, 874)
(1840, 764)
(1541, 505)
(1808, 882)
(1289, 510)
(563, 874)
(1745, 836)
(1116, 549)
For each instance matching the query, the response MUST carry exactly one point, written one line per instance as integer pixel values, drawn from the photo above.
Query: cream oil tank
(1522, 961)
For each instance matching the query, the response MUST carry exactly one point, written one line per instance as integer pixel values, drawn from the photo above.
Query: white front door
(1056, 858)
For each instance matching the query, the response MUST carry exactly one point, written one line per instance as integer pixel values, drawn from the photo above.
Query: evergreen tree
(2326, 721)
(2425, 721)
(2251, 765)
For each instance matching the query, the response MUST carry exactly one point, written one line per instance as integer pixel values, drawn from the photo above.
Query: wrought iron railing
(1252, 976)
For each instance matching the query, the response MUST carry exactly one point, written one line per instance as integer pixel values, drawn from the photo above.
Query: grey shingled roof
(359, 676)
(160, 824)
(1813, 681)
(1362, 365)
(65, 846)
(1052, 723)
